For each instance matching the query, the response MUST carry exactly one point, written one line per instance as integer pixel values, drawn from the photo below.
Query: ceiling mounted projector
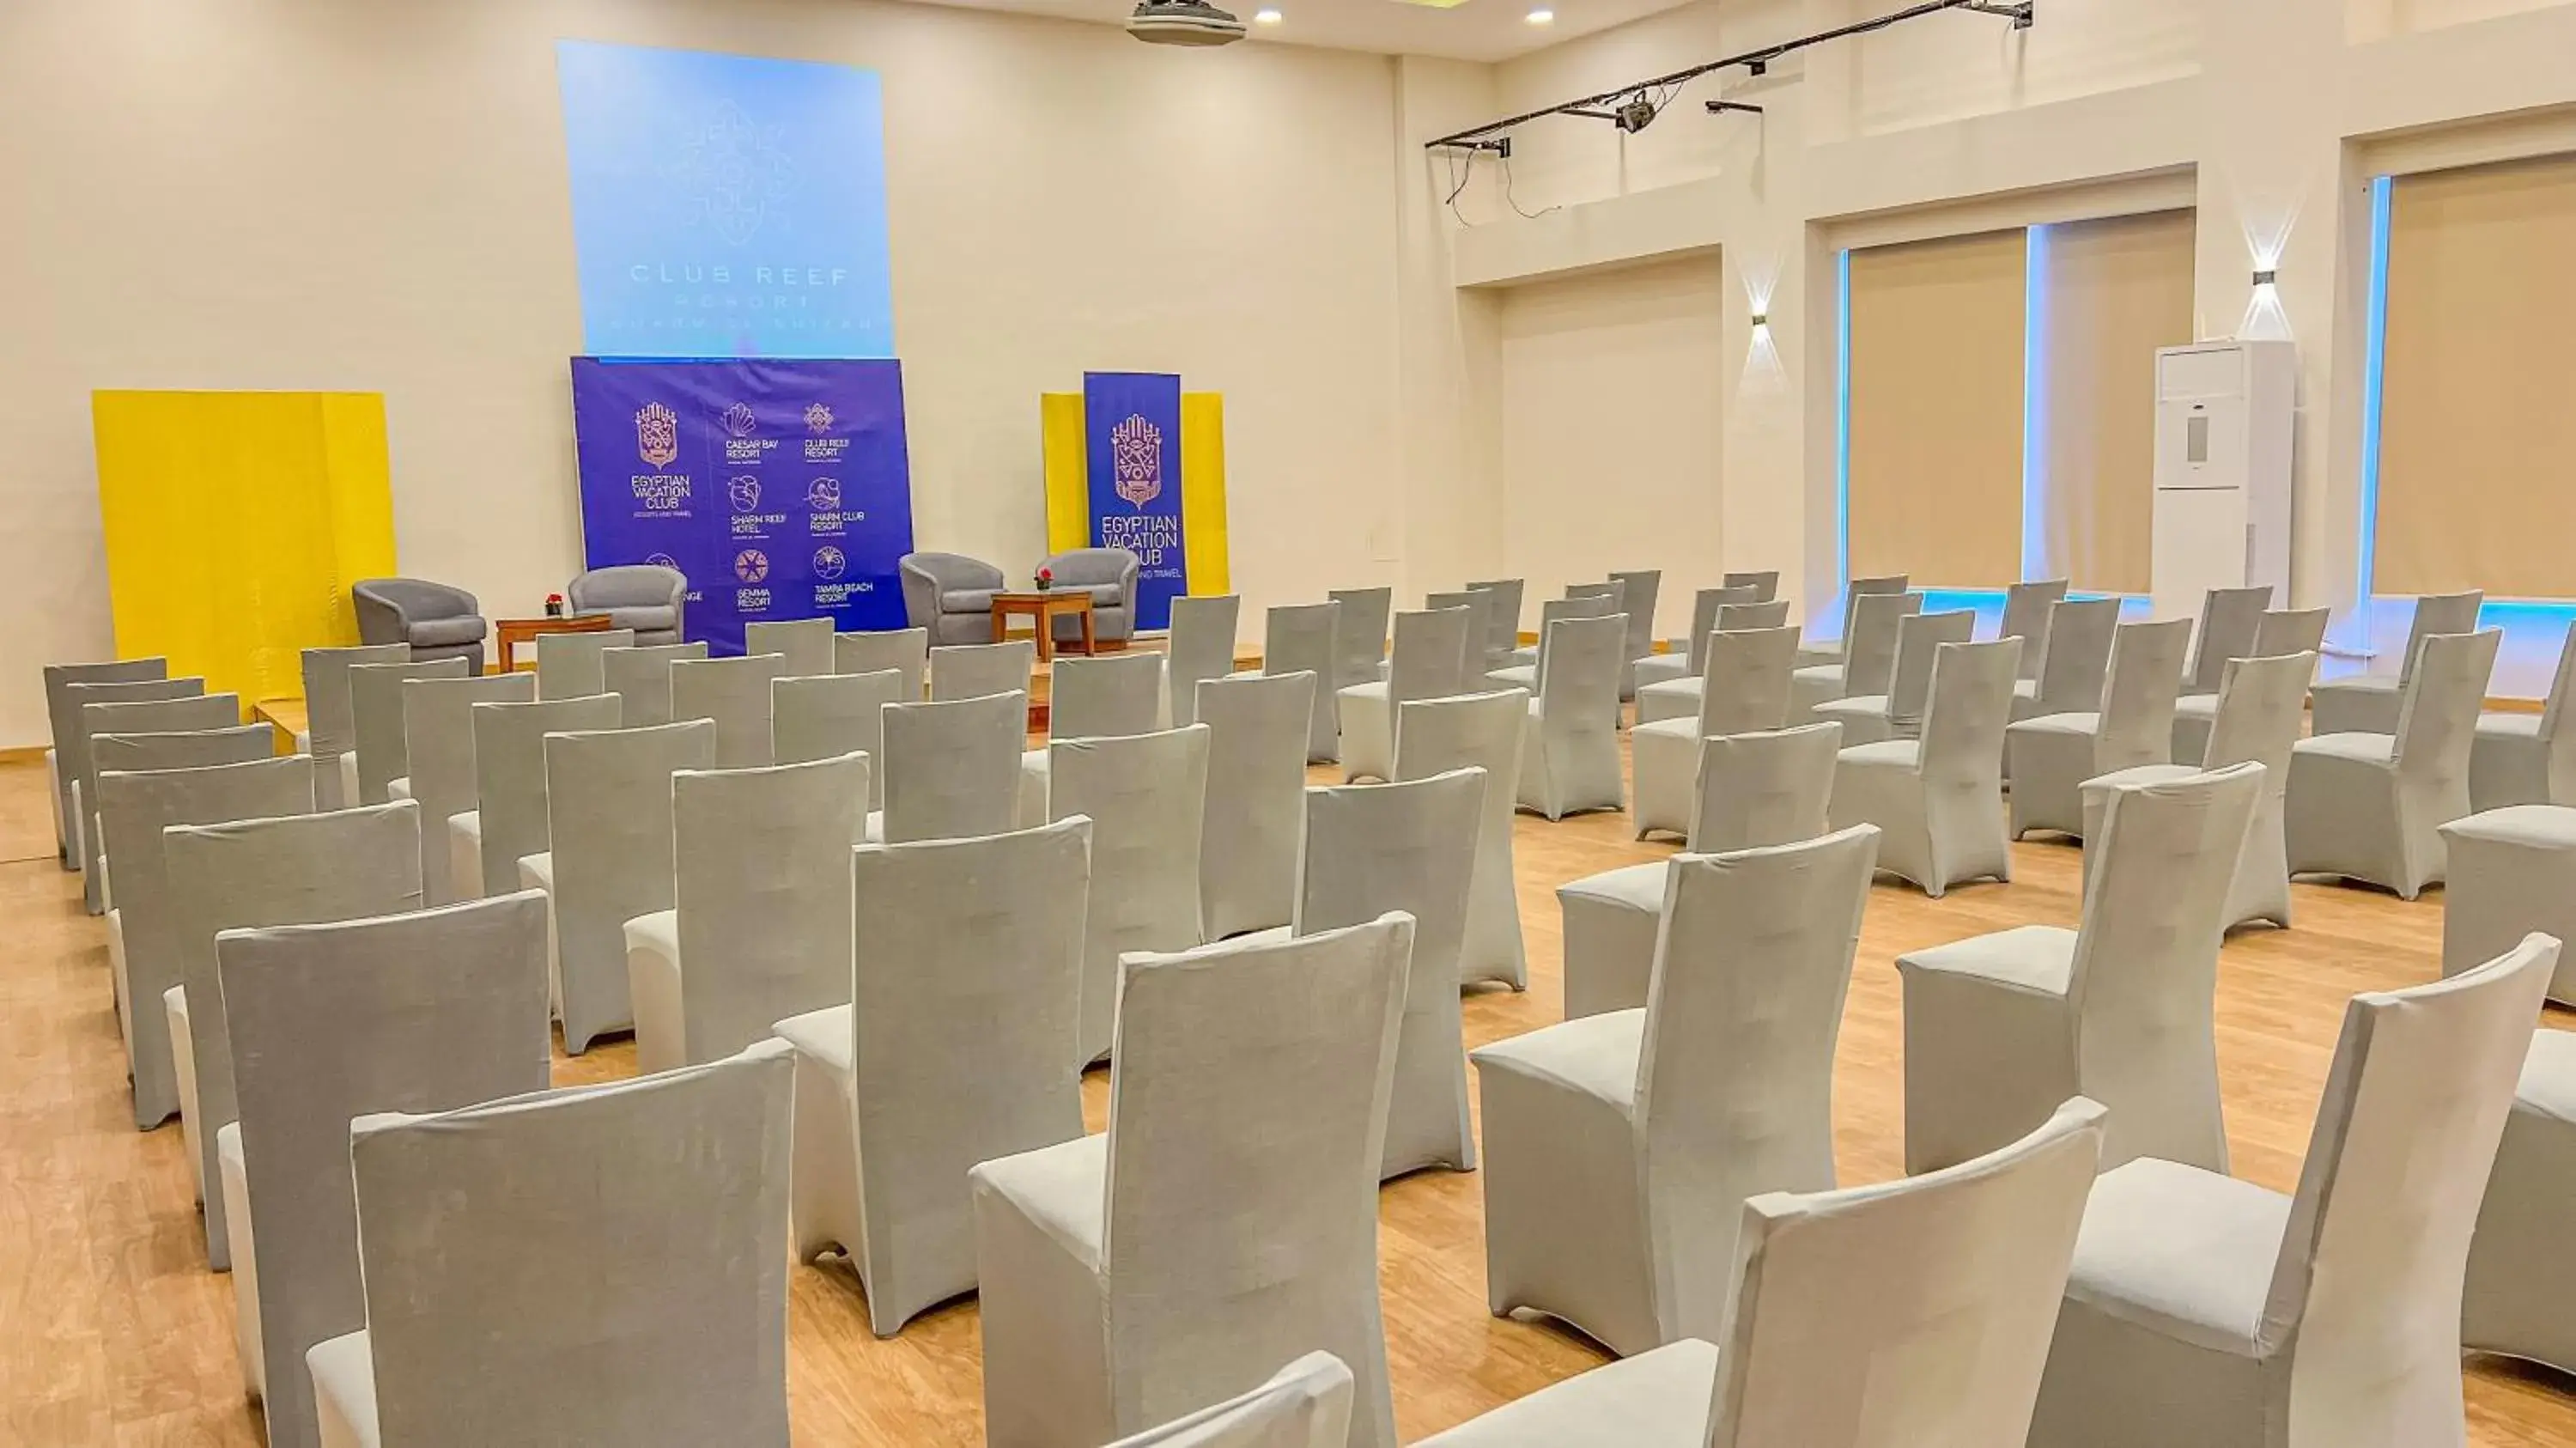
(1183, 22)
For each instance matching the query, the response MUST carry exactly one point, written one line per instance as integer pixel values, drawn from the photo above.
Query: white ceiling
(1478, 30)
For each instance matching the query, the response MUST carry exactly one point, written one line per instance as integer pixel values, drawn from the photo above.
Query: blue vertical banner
(780, 489)
(1132, 422)
(726, 205)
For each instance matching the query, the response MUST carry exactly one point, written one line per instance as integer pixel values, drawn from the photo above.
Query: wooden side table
(509, 633)
(1043, 609)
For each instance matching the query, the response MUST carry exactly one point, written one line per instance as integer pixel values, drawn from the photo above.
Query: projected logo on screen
(657, 435)
(1136, 449)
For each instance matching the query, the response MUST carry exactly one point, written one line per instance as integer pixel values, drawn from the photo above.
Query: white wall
(370, 194)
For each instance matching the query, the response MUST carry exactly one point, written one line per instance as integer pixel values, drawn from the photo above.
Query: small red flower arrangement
(1046, 579)
(554, 605)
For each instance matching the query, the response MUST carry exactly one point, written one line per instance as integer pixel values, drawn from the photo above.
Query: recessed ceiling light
(1266, 16)
(1542, 16)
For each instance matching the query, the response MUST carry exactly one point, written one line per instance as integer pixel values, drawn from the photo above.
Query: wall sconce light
(2266, 277)
(1761, 321)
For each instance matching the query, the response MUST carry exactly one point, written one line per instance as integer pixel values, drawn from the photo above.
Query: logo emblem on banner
(824, 495)
(745, 493)
(662, 492)
(751, 565)
(657, 435)
(663, 560)
(818, 418)
(1136, 450)
(830, 563)
(740, 421)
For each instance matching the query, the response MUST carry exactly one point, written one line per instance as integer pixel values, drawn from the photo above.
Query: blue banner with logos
(1133, 426)
(781, 489)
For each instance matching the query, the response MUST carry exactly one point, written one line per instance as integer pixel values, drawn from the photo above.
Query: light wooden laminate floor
(113, 1333)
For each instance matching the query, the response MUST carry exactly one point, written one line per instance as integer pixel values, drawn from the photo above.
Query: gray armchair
(645, 597)
(1109, 575)
(951, 595)
(439, 622)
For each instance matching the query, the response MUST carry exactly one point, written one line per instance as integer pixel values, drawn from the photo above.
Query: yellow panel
(1068, 471)
(1203, 493)
(235, 523)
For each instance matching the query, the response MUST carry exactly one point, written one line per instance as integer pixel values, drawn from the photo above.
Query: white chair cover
(134, 807)
(330, 729)
(245, 873)
(1502, 619)
(1917, 1312)
(1638, 602)
(2049, 757)
(422, 1012)
(1202, 647)
(955, 1049)
(2522, 758)
(1691, 657)
(568, 664)
(1359, 634)
(62, 716)
(641, 678)
(672, 1188)
(1132, 1277)
(1765, 584)
(187, 749)
(1620, 1147)
(2513, 873)
(509, 820)
(2372, 806)
(1432, 651)
(1411, 848)
(2514, 1300)
(2027, 606)
(807, 644)
(734, 695)
(190, 714)
(376, 713)
(609, 859)
(1743, 689)
(1253, 829)
(438, 747)
(829, 715)
(905, 650)
(2229, 620)
(1868, 661)
(1582, 600)
(1940, 798)
(951, 768)
(760, 925)
(73, 761)
(1308, 1405)
(2001, 1027)
(1898, 712)
(1299, 639)
(2168, 1334)
(2281, 632)
(1570, 752)
(1487, 732)
(1114, 696)
(2074, 663)
(1820, 650)
(979, 671)
(2369, 703)
(1146, 798)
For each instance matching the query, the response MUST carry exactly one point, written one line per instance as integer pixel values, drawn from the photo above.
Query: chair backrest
(1958, 1274)
(189, 749)
(1580, 664)
(1290, 1044)
(2553, 718)
(510, 775)
(2026, 609)
(1869, 654)
(608, 820)
(1705, 607)
(1111, 696)
(905, 650)
(2078, 655)
(1763, 788)
(438, 742)
(1379, 848)
(2368, 1282)
(2438, 613)
(1918, 634)
(422, 1012)
(71, 722)
(968, 1001)
(1431, 652)
(1253, 827)
(470, 1224)
(2138, 694)
(193, 714)
(951, 768)
(805, 643)
(63, 715)
(327, 721)
(1359, 634)
(734, 695)
(1306, 1405)
(2229, 620)
(1735, 1073)
(376, 714)
(1854, 590)
(2290, 631)
(2145, 976)
(1202, 647)
(1299, 639)
(1639, 604)
(641, 677)
(1744, 683)
(1486, 731)
(1770, 613)
(1611, 592)
(1589, 605)
(1765, 583)
(977, 671)
(1963, 726)
(823, 716)
(1146, 797)
(2438, 721)
(2262, 705)
(1503, 621)
(762, 860)
(568, 664)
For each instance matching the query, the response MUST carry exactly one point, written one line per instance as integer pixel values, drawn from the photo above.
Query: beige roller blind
(1936, 403)
(2477, 442)
(2112, 292)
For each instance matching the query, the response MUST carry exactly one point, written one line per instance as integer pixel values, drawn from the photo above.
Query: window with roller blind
(2477, 441)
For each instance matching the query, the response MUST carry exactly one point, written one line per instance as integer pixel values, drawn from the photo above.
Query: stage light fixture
(1635, 116)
